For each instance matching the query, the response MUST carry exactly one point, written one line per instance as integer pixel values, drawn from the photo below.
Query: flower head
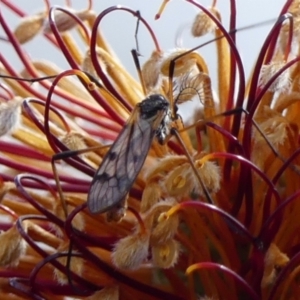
(218, 197)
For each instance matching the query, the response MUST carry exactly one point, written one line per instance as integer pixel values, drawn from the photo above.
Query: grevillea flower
(213, 214)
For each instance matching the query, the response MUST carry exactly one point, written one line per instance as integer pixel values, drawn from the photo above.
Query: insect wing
(122, 163)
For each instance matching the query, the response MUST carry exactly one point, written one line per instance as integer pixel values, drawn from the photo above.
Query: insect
(125, 158)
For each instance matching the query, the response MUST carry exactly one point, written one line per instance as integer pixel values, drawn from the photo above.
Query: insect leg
(64, 155)
(175, 132)
(28, 79)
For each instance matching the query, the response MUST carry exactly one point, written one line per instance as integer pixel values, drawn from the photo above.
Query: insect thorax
(150, 107)
(153, 104)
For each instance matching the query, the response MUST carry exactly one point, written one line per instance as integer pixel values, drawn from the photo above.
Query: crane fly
(125, 158)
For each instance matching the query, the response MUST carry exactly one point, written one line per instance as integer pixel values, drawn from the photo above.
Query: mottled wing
(121, 164)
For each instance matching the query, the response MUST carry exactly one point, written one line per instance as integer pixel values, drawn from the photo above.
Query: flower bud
(183, 65)
(74, 140)
(87, 64)
(274, 261)
(107, 293)
(151, 195)
(10, 113)
(294, 8)
(274, 126)
(64, 22)
(282, 83)
(176, 182)
(165, 255)
(13, 246)
(130, 252)
(151, 71)
(29, 27)
(210, 175)
(164, 230)
(183, 182)
(5, 187)
(203, 24)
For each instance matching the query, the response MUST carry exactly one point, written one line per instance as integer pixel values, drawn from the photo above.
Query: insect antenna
(138, 15)
(136, 60)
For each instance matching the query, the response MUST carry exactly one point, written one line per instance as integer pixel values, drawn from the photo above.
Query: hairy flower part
(107, 293)
(77, 222)
(281, 84)
(10, 114)
(131, 251)
(151, 195)
(165, 255)
(13, 246)
(183, 65)
(210, 174)
(275, 128)
(105, 59)
(294, 8)
(279, 137)
(5, 187)
(183, 182)
(154, 190)
(165, 229)
(163, 166)
(151, 71)
(203, 24)
(177, 182)
(29, 27)
(284, 36)
(65, 22)
(87, 64)
(76, 265)
(159, 233)
(274, 261)
(74, 140)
